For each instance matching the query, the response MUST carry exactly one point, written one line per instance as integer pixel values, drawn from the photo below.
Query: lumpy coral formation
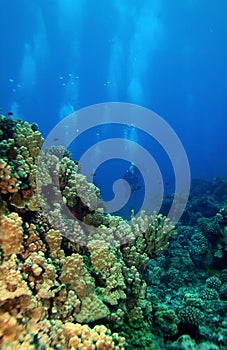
(65, 286)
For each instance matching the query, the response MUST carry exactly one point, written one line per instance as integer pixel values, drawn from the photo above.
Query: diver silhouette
(131, 176)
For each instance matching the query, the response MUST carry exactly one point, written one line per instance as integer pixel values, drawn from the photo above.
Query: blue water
(169, 56)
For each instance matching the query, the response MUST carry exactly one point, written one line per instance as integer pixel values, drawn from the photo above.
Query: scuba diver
(131, 176)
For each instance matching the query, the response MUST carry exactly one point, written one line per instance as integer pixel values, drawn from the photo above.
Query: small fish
(55, 139)
(10, 113)
(93, 174)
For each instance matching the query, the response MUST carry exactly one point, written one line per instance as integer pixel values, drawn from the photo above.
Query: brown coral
(9, 181)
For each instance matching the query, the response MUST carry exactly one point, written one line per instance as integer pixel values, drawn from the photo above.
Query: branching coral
(153, 233)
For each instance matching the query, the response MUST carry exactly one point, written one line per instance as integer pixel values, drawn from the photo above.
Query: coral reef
(190, 277)
(72, 277)
(58, 274)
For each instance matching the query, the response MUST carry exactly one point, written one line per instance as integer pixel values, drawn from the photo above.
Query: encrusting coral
(55, 280)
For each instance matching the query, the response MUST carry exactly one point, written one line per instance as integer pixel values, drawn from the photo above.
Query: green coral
(166, 320)
(142, 338)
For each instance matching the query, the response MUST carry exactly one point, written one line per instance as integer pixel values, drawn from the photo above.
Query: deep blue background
(169, 56)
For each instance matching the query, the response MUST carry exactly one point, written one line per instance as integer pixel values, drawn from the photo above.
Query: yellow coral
(83, 337)
(54, 240)
(11, 233)
(27, 146)
(77, 186)
(75, 274)
(40, 274)
(92, 309)
(12, 285)
(109, 269)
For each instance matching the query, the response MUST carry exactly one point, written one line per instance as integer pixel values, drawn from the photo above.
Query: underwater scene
(113, 175)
